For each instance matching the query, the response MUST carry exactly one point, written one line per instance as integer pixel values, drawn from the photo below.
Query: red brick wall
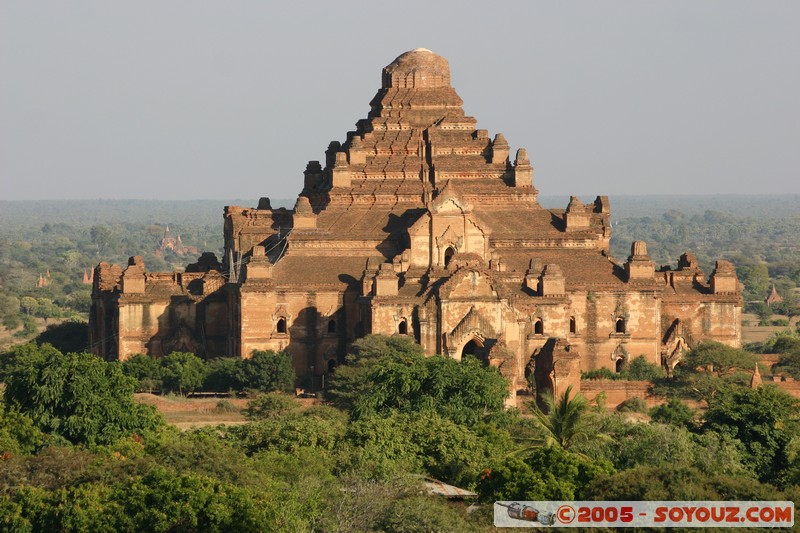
(618, 391)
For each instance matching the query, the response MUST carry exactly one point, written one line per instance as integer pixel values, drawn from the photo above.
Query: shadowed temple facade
(421, 224)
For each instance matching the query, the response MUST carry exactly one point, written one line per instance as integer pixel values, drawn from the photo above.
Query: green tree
(290, 433)
(675, 413)
(101, 237)
(80, 300)
(546, 473)
(145, 370)
(788, 346)
(630, 444)
(640, 369)
(18, 434)
(182, 372)
(765, 420)
(788, 306)
(755, 278)
(392, 373)
(268, 371)
(719, 359)
(707, 368)
(762, 311)
(77, 396)
(205, 451)
(411, 514)
(351, 381)
(162, 501)
(224, 374)
(28, 305)
(9, 311)
(675, 483)
(785, 342)
(423, 442)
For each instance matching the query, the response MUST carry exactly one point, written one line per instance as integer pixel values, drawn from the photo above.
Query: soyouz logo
(643, 514)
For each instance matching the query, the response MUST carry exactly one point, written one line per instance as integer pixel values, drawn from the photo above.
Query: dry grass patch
(186, 413)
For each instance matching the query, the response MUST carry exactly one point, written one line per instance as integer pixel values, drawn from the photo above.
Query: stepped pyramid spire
(756, 380)
(774, 297)
(416, 135)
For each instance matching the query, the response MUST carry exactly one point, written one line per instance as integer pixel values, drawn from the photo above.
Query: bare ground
(762, 333)
(187, 413)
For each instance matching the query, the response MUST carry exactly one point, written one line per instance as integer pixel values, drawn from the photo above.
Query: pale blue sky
(198, 99)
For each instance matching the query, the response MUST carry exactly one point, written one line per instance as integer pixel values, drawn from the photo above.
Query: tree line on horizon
(63, 241)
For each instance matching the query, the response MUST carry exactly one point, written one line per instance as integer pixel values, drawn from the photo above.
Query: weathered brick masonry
(421, 224)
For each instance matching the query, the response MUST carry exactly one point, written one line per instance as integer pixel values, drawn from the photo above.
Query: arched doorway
(402, 327)
(475, 348)
(470, 348)
(619, 365)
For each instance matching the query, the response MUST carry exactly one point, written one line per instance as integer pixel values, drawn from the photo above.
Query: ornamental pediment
(471, 283)
(449, 201)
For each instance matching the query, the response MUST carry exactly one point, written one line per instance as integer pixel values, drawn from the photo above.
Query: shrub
(269, 405)
(633, 405)
(225, 406)
(674, 412)
(640, 369)
(600, 373)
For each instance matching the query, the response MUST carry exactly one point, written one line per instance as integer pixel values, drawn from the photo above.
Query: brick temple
(421, 224)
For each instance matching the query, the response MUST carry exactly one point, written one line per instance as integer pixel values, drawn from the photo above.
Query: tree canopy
(182, 372)
(77, 396)
(268, 371)
(765, 420)
(707, 368)
(391, 373)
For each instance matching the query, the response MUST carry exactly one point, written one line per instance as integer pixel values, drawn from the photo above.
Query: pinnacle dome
(418, 68)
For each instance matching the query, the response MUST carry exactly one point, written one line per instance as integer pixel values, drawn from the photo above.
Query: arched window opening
(331, 365)
(619, 365)
(538, 327)
(620, 328)
(331, 326)
(573, 326)
(448, 255)
(281, 326)
(402, 327)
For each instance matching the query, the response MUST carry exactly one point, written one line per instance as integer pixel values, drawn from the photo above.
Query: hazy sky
(198, 99)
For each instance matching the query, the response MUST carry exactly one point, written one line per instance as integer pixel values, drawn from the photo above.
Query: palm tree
(565, 422)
